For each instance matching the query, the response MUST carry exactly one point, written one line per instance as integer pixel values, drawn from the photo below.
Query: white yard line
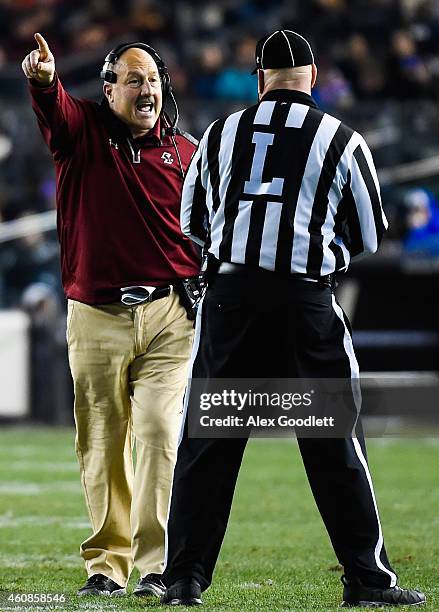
(17, 560)
(35, 449)
(38, 466)
(8, 520)
(15, 487)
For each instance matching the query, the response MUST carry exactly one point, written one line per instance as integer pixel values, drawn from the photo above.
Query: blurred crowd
(378, 64)
(366, 49)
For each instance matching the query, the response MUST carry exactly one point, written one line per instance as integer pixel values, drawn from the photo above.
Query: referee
(283, 196)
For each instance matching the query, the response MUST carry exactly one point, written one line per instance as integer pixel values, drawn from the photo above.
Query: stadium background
(378, 66)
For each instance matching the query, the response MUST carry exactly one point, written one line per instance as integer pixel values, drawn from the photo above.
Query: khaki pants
(129, 368)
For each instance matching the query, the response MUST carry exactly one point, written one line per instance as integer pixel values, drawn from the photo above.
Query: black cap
(283, 49)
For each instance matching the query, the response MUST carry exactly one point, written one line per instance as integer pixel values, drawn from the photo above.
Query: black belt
(225, 267)
(142, 294)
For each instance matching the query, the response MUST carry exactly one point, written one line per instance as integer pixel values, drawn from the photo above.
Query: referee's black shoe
(184, 592)
(151, 584)
(355, 594)
(98, 584)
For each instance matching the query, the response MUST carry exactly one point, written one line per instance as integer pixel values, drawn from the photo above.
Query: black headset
(108, 75)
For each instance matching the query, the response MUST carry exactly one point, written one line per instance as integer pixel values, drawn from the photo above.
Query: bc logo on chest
(167, 158)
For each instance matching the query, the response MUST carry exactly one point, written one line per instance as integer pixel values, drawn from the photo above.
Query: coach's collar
(290, 95)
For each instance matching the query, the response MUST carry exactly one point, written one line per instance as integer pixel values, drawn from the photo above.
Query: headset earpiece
(166, 83)
(108, 76)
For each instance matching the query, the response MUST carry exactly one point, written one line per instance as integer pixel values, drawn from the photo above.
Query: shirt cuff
(35, 86)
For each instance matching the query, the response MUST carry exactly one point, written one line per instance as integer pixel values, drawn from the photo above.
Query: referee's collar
(290, 95)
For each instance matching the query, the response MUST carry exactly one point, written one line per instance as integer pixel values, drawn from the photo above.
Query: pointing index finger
(43, 47)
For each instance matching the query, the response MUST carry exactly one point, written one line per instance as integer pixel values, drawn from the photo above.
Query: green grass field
(276, 554)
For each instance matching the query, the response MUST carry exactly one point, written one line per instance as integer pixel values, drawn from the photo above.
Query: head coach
(119, 168)
(282, 195)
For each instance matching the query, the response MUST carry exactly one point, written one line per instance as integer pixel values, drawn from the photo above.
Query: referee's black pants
(251, 327)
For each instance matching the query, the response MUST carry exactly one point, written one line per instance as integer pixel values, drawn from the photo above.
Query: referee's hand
(39, 64)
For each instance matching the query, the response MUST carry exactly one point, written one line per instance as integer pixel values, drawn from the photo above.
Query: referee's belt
(225, 267)
(141, 294)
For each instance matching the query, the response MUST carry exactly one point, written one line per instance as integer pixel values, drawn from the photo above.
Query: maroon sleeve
(60, 116)
(187, 146)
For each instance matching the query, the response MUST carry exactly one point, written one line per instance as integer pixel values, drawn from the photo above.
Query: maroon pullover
(118, 199)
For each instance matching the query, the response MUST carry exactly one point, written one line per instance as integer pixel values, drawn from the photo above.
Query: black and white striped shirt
(283, 186)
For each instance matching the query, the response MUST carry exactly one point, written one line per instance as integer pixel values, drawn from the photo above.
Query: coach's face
(136, 97)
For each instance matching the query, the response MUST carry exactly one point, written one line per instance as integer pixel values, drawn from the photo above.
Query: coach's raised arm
(39, 64)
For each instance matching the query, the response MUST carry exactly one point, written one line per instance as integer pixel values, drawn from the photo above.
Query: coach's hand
(40, 63)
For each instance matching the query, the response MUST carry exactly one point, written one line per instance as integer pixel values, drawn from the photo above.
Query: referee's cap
(283, 49)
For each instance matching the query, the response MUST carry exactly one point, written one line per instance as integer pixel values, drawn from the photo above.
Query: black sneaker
(356, 594)
(98, 584)
(184, 592)
(151, 584)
